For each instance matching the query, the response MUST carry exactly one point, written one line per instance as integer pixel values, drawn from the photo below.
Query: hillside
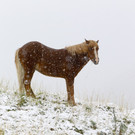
(51, 115)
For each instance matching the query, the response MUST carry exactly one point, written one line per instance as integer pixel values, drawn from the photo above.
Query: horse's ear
(87, 41)
(97, 41)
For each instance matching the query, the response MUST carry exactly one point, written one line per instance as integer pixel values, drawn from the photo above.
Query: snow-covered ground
(50, 114)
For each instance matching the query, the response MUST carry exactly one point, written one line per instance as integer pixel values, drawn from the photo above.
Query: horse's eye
(91, 49)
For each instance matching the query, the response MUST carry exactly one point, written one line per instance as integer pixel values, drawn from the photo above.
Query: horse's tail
(20, 71)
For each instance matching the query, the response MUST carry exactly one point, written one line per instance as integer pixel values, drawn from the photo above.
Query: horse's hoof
(74, 104)
(71, 103)
(31, 95)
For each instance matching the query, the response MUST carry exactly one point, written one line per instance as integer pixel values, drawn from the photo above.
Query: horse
(64, 63)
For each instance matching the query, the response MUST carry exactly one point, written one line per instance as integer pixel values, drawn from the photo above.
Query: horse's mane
(77, 49)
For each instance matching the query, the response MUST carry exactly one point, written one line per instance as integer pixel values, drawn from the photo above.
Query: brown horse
(65, 63)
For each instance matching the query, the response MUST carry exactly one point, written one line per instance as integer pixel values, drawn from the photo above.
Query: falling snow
(26, 82)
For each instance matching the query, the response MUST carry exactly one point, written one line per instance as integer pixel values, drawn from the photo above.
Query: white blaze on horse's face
(96, 61)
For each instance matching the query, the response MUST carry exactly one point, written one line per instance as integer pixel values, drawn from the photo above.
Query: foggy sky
(63, 23)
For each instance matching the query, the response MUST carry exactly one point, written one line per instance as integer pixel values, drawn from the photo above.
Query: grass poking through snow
(50, 114)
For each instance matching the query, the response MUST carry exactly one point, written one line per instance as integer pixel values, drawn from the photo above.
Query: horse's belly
(50, 71)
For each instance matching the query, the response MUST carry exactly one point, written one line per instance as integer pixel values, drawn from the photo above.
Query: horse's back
(32, 50)
(36, 48)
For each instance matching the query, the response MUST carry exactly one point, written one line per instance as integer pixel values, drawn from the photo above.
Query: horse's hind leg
(27, 82)
(24, 76)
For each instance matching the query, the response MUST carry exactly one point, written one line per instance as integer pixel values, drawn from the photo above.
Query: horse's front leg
(70, 91)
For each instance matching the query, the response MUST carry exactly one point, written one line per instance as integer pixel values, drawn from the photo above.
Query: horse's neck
(83, 58)
(80, 61)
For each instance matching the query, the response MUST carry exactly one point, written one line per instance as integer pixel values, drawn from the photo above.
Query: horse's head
(93, 50)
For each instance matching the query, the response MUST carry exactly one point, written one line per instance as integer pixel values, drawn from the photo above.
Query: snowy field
(50, 114)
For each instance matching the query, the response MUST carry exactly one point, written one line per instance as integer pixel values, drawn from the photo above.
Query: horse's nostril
(96, 62)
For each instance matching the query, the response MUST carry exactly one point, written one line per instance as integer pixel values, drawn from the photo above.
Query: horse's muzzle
(96, 61)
